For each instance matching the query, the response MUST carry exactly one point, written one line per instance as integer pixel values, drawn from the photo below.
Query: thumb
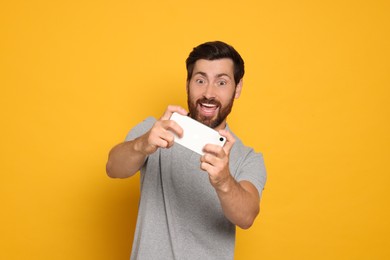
(171, 109)
(230, 140)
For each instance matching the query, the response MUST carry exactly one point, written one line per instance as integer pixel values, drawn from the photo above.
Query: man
(190, 204)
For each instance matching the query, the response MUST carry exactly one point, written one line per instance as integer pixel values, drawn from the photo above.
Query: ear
(238, 89)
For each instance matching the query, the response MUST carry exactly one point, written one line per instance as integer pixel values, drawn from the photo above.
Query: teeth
(208, 105)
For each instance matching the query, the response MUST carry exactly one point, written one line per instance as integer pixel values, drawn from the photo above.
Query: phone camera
(221, 139)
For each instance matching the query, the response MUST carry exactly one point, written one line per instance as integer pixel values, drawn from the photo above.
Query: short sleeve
(140, 129)
(252, 169)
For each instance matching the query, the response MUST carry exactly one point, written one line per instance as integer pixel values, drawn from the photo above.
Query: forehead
(214, 67)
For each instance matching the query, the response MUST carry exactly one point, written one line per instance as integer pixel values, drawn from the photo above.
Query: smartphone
(195, 134)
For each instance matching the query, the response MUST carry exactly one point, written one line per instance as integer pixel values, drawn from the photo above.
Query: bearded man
(190, 204)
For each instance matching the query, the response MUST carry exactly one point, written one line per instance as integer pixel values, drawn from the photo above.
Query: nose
(209, 92)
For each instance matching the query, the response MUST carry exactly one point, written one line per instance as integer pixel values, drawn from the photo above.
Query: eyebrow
(201, 73)
(223, 74)
(204, 74)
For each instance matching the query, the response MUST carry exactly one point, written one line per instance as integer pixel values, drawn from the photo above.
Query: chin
(211, 122)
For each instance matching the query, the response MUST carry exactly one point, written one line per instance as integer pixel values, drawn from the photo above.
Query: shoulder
(141, 128)
(242, 152)
(247, 164)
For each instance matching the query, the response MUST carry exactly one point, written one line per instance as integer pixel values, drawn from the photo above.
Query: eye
(222, 83)
(199, 81)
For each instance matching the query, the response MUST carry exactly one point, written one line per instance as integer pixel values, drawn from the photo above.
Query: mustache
(211, 101)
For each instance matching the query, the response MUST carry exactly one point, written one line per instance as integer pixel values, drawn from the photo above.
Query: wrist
(225, 185)
(139, 147)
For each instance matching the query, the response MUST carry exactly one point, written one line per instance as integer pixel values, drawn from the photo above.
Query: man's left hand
(215, 161)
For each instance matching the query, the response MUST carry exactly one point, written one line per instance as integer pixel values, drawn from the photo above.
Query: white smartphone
(195, 134)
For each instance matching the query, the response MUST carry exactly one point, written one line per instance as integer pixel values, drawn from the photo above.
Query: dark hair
(214, 51)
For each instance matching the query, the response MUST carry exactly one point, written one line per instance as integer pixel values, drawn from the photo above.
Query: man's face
(211, 91)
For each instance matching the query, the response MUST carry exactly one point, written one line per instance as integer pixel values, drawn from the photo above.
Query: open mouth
(208, 109)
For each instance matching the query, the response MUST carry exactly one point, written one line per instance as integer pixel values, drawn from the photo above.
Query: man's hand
(215, 161)
(239, 200)
(126, 158)
(161, 135)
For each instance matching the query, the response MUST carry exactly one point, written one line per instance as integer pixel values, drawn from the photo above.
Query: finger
(160, 143)
(230, 140)
(213, 161)
(174, 127)
(207, 158)
(210, 164)
(171, 109)
(215, 150)
(161, 137)
(168, 137)
(205, 166)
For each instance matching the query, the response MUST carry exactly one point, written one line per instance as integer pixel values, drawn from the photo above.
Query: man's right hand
(126, 158)
(161, 135)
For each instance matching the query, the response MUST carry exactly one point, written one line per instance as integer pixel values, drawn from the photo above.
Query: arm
(239, 200)
(127, 158)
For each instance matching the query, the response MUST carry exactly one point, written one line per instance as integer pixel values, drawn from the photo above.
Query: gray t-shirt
(180, 216)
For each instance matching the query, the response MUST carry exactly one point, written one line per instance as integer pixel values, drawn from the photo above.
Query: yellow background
(75, 76)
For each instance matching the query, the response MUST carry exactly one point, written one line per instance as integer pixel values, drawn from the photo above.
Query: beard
(214, 121)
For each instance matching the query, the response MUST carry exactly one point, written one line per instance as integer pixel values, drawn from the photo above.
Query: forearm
(239, 201)
(125, 159)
